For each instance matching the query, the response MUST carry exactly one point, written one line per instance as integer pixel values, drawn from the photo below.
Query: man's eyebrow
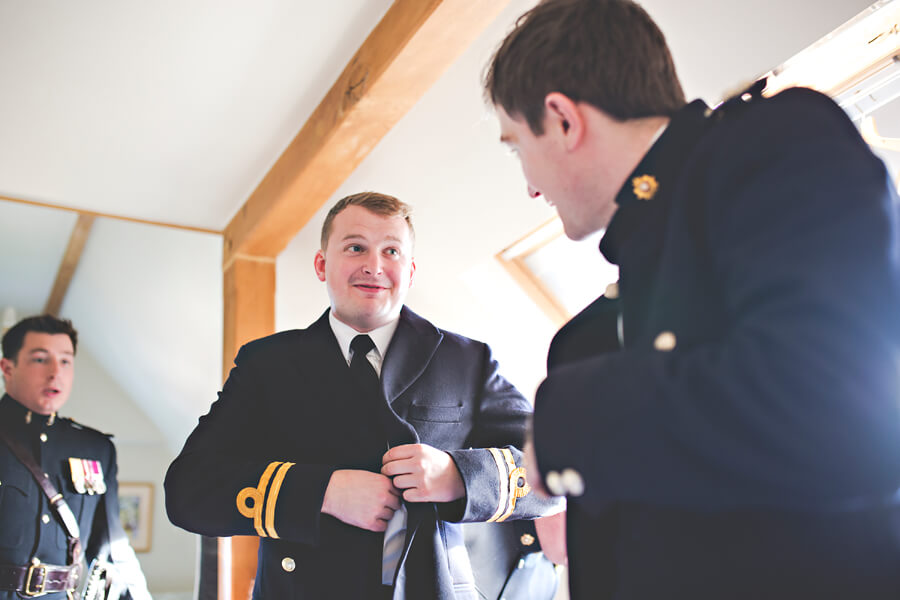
(357, 236)
(46, 351)
(505, 139)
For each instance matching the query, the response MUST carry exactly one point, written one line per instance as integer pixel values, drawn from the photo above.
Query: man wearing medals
(59, 507)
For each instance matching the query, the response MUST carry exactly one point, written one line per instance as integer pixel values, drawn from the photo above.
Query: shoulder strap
(66, 517)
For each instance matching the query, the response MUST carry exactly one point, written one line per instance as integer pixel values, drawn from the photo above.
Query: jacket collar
(14, 413)
(650, 184)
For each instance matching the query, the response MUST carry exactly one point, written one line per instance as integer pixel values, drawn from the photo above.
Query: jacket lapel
(409, 354)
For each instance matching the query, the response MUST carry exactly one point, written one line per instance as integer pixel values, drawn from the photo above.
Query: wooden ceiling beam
(69, 263)
(92, 213)
(409, 49)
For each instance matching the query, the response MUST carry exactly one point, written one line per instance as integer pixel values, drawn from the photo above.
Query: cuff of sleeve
(302, 488)
(493, 483)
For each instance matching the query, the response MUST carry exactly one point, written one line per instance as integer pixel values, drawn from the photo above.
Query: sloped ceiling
(174, 110)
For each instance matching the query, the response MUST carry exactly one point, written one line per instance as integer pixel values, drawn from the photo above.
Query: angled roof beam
(69, 263)
(404, 55)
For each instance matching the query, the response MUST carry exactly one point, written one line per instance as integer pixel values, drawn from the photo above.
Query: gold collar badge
(645, 186)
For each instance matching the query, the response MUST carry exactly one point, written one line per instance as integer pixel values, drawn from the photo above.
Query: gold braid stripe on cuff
(504, 486)
(254, 510)
(516, 491)
(273, 497)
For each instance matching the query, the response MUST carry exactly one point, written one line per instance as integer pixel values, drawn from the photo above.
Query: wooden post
(249, 294)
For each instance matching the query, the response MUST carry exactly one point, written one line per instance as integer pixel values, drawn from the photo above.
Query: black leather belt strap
(38, 579)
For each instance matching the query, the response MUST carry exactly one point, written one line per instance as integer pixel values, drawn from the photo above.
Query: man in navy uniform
(38, 553)
(726, 420)
(355, 448)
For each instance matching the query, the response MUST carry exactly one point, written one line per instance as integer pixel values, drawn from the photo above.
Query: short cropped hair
(15, 337)
(606, 53)
(380, 204)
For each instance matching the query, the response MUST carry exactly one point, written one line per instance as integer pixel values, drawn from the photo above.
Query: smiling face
(550, 163)
(367, 267)
(41, 376)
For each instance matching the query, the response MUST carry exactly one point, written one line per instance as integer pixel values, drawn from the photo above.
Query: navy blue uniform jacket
(290, 400)
(25, 535)
(733, 408)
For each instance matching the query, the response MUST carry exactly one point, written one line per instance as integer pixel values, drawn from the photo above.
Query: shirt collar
(345, 334)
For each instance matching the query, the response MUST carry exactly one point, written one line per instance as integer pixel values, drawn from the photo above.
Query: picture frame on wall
(136, 513)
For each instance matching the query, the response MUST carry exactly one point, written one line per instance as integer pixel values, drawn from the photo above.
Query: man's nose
(372, 264)
(533, 192)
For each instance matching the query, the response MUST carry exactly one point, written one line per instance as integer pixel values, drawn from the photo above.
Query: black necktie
(393, 430)
(362, 370)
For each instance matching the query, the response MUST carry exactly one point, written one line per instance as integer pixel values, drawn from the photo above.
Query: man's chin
(49, 407)
(365, 321)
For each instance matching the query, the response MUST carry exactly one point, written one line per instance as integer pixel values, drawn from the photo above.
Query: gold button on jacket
(665, 341)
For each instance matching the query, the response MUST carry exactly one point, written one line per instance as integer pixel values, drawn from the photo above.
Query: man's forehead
(364, 237)
(508, 125)
(36, 341)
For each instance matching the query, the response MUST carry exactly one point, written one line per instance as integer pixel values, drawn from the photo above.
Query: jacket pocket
(435, 414)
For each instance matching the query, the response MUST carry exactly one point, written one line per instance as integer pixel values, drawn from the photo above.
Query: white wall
(143, 456)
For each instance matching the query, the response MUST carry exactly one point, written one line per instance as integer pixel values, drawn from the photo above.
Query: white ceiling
(174, 110)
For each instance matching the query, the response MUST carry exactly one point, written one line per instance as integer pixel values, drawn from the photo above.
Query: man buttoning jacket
(300, 452)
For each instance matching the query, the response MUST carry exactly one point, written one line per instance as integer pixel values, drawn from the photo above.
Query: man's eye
(39, 359)
(354, 248)
(393, 252)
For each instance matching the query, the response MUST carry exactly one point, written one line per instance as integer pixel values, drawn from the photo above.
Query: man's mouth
(51, 392)
(369, 287)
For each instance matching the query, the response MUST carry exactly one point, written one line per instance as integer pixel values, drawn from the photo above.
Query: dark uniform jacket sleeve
(759, 294)
(108, 542)
(223, 457)
(491, 460)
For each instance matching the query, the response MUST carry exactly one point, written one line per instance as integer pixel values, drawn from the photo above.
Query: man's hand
(551, 532)
(360, 498)
(426, 474)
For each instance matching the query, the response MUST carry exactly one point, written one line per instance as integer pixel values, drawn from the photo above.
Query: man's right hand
(360, 498)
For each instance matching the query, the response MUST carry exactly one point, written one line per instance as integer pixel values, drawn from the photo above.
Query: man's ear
(563, 117)
(412, 271)
(6, 366)
(319, 265)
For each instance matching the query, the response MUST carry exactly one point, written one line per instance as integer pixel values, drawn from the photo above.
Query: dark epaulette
(739, 102)
(80, 426)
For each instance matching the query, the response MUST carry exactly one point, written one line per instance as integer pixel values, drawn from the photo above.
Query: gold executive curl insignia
(645, 186)
(250, 500)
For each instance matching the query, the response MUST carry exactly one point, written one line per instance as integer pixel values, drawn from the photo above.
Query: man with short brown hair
(724, 420)
(355, 448)
(44, 457)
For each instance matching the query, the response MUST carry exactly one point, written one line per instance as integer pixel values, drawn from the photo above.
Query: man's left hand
(424, 473)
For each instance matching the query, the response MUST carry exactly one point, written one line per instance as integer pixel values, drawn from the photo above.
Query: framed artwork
(136, 513)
